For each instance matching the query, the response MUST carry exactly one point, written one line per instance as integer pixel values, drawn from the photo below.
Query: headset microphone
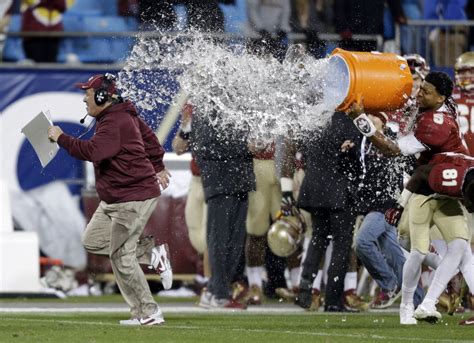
(83, 119)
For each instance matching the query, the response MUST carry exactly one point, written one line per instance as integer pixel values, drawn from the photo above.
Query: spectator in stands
(445, 56)
(153, 15)
(308, 18)
(42, 15)
(205, 15)
(129, 169)
(327, 194)
(412, 10)
(269, 21)
(363, 17)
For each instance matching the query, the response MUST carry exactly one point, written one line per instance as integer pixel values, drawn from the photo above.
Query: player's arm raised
(387, 146)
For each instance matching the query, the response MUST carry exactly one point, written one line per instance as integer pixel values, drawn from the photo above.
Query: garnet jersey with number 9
(448, 173)
(439, 131)
(465, 101)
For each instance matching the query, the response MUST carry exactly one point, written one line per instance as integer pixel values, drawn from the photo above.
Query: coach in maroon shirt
(129, 170)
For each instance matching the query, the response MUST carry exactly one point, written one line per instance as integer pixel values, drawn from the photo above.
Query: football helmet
(464, 71)
(417, 65)
(286, 235)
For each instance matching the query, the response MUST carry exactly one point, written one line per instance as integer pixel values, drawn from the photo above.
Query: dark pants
(226, 216)
(339, 224)
(41, 49)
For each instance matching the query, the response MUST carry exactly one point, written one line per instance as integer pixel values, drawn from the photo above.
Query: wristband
(184, 135)
(404, 197)
(286, 184)
(365, 125)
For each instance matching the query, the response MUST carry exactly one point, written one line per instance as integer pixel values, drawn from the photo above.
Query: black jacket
(330, 174)
(222, 155)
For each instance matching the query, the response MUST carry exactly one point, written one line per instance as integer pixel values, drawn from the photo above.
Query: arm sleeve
(103, 145)
(410, 145)
(153, 148)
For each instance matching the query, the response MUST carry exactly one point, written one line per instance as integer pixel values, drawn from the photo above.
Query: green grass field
(243, 326)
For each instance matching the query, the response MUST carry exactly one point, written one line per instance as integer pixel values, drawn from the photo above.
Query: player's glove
(287, 204)
(393, 215)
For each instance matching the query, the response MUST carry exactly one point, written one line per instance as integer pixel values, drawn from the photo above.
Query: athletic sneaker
(386, 299)
(160, 262)
(227, 304)
(131, 321)
(205, 299)
(153, 319)
(406, 314)
(426, 311)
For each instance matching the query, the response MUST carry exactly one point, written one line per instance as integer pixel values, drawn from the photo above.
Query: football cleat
(287, 294)
(406, 314)
(469, 321)
(315, 300)
(153, 319)
(130, 322)
(427, 312)
(254, 295)
(353, 302)
(160, 262)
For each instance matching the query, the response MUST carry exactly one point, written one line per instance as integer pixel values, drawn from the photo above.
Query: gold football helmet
(464, 71)
(286, 235)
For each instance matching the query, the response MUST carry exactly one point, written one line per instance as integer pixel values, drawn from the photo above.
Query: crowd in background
(272, 21)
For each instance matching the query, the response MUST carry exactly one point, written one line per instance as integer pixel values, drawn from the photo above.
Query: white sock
(426, 278)
(411, 275)
(317, 280)
(254, 275)
(350, 281)
(432, 260)
(447, 269)
(467, 268)
(295, 274)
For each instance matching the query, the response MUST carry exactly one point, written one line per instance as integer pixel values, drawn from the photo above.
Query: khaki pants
(114, 230)
(265, 201)
(195, 214)
(446, 214)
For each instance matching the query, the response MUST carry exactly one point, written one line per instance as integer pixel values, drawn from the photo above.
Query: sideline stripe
(168, 308)
(287, 332)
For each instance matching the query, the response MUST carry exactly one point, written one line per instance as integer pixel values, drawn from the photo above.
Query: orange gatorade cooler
(382, 80)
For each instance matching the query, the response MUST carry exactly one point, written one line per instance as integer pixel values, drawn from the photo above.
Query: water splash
(265, 96)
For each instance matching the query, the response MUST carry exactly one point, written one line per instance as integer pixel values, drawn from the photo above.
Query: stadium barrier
(439, 41)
